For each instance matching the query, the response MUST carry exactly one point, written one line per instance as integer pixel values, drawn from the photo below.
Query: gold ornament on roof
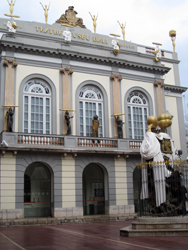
(122, 26)
(11, 3)
(94, 18)
(69, 19)
(46, 9)
(172, 34)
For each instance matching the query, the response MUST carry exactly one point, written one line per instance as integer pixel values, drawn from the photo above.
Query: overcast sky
(147, 21)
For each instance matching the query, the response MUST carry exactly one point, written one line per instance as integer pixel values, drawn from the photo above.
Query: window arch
(36, 107)
(137, 111)
(42, 83)
(90, 104)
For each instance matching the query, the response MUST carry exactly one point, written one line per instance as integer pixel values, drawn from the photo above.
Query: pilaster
(9, 85)
(116, 79)
(66, 94)
(159, 97)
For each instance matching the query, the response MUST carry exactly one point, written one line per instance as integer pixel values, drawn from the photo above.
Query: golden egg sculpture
(152, 120)
(164, 121)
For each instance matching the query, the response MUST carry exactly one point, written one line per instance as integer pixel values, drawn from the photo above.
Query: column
(66, 94)
(116, 98)
(9, 86)
(159, 97)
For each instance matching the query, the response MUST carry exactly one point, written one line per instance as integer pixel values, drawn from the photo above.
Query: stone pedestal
(163, 226)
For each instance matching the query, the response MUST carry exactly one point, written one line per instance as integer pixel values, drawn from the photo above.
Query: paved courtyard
(100, 235)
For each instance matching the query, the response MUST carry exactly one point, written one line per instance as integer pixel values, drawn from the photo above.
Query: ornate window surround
(101, 89)
(52, 90)
(126, 104)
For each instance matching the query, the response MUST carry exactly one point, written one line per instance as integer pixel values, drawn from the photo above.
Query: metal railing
(162, 188)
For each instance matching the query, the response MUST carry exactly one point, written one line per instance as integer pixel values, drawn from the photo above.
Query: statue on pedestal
(119, 126)
(95, 126)
(161, 174)
(68, 122)
(10, 120)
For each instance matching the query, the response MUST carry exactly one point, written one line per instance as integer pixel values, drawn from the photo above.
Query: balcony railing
(74, 143)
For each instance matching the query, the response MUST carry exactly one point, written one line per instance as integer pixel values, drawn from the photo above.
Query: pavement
(97, 235)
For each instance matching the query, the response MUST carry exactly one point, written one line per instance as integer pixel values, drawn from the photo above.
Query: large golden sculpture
(122, 26)
(94, 21)
(11, 3)
(172, 34)
(163, 121)
(69, 19)
(46, 9)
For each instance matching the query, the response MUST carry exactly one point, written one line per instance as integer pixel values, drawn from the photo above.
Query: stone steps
(177, 226)
(69, 220)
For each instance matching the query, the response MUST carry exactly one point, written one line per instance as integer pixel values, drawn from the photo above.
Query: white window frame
(137, 99)
(41, 91)
(90, 94)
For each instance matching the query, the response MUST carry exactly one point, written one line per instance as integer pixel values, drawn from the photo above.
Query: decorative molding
(157, 83)
(92, 58)
(118, 77)
(69, 71)
(7, 62)
(175, 88)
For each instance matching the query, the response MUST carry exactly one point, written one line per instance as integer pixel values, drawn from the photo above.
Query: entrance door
(93, 190)
(37, 191)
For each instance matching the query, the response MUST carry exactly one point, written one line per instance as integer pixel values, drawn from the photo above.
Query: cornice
(175, 88)
(74, 55)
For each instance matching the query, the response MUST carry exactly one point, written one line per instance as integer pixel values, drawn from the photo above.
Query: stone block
(113, 210)
(77, 211)
(121, 210)
(60, 212)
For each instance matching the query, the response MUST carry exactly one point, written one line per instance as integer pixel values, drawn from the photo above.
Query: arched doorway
(37, 191)
(93, 190)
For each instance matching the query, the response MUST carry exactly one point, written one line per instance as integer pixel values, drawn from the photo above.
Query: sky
(147, 21)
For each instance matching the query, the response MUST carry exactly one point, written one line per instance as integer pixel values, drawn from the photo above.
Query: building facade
(45, 172)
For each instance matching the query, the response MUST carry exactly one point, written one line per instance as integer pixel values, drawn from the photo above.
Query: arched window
(37, 103)
(90, 104)
(137, 105)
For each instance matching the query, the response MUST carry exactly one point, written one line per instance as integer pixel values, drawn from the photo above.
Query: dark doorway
(93, 190)
(37, 191)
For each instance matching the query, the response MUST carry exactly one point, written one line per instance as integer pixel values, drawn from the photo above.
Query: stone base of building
(15, 217)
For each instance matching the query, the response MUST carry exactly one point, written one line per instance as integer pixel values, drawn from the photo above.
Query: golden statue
(122, 28)
(11, 8)
(46, 9)
(172, 34)
(94, 21)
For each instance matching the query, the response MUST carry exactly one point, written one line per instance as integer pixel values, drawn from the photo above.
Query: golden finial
(94, 18)
(46, 9)
(172, 34)
(122, 26)
(11, 3)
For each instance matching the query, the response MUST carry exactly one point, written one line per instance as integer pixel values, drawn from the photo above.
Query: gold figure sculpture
(11, 3)
(94, 21)
(46, 9)
(172, 34)
(122, 26)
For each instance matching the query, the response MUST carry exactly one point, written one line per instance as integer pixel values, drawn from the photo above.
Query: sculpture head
(95, 117)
